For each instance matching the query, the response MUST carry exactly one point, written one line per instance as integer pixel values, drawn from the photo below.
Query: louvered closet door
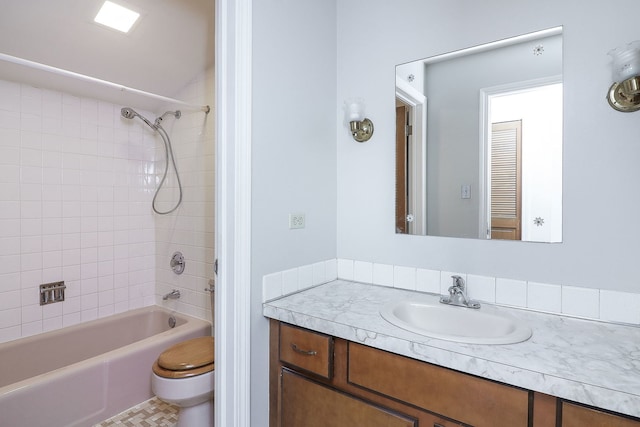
(506, 180)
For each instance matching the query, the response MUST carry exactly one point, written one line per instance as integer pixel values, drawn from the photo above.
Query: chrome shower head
(130, 113)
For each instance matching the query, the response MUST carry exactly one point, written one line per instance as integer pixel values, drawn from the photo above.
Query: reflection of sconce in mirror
(624, 93)
(361, 127)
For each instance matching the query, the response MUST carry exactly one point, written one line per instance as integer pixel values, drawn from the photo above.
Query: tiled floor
(152, 413)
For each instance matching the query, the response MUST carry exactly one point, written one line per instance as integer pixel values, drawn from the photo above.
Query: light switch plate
(465, 191)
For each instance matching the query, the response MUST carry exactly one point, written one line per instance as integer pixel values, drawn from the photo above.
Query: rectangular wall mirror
(479, 141)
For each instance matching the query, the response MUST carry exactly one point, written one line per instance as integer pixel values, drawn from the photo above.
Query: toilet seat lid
(189, 354)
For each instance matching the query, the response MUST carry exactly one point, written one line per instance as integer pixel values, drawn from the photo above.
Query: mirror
(479, 141)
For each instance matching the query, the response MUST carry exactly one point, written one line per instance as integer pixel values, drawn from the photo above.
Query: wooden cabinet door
(468, 399)
(580, 416)
(306, 403)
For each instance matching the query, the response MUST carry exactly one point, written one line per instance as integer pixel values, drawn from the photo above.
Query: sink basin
(460, 324)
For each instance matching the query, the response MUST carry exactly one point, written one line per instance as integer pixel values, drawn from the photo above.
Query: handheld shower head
(130, 113)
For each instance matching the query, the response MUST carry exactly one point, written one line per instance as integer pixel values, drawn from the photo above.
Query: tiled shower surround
(76, 183)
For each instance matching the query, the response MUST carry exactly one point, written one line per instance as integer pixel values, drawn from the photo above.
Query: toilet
(183, 375)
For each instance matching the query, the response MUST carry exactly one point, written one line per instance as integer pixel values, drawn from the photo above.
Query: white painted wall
(304, 160)
(293, 152)
(601, 149)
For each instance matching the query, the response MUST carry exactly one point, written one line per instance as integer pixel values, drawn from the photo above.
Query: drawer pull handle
(304, 352)
(437, 425)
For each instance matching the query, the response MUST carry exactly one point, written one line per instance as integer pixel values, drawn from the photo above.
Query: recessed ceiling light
(117, 17)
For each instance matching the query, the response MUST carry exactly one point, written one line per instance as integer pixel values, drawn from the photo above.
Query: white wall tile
(305, 276)
(383, 274)
(511, 292)
(404, 277)
(481, 288)
(31, 313)
(544, 297)
(289, 281)
(52, 150)
(319, 273)
(363, 271)
(618, 306)
(31, 328)
(9, 282)
(581, 302)
(271, 286)
(9, 300)
(345, 269)
(428, 280)
(331, 269)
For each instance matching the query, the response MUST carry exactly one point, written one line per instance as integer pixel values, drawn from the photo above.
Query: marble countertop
(590, 362)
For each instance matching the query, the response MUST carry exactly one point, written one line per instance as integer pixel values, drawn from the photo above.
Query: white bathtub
(84, 374)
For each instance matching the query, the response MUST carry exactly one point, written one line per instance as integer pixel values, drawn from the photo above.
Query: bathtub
(84, 374)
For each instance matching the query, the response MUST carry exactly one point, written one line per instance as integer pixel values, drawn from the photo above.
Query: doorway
(527, 193)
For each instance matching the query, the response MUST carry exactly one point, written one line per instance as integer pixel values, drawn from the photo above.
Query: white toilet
(183, 375)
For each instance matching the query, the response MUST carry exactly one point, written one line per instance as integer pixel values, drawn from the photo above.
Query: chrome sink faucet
(458, 295)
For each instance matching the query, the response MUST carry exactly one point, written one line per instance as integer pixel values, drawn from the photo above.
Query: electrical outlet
(296, 220)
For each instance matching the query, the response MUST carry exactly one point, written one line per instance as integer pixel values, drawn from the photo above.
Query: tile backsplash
(574, 301)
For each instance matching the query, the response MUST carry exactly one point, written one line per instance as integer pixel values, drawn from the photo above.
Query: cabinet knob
(304, 352)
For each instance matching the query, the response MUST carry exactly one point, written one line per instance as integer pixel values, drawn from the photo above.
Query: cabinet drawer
(306, 350)
(580, 416)
(463, 397)
(306, 403)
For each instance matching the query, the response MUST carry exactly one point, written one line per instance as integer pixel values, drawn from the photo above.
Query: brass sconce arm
(361, 130)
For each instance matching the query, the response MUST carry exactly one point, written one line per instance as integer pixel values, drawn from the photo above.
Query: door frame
(484, 190)
(417, 103)
(232, 109)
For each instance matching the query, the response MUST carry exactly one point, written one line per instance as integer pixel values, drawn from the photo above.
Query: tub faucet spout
(174, 294)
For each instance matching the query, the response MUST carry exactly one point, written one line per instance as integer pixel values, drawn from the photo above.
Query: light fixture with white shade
(624, 93)
(361, 127)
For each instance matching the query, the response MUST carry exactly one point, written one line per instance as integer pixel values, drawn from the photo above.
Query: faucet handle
(458, 281)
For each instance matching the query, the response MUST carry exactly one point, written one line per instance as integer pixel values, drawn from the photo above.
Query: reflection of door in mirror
(523, 162)
(506, 180)
(402, 208)
(411, 184)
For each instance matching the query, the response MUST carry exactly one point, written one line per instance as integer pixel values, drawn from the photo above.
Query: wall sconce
(624, 93)
(361, 127)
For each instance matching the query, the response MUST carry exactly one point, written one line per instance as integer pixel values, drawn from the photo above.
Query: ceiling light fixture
(117, 17)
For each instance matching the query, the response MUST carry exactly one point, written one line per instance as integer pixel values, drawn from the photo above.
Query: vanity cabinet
(580, 416)
(307, 403)
(318, 380)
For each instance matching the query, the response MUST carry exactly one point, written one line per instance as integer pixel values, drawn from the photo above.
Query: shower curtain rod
(67, 73)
